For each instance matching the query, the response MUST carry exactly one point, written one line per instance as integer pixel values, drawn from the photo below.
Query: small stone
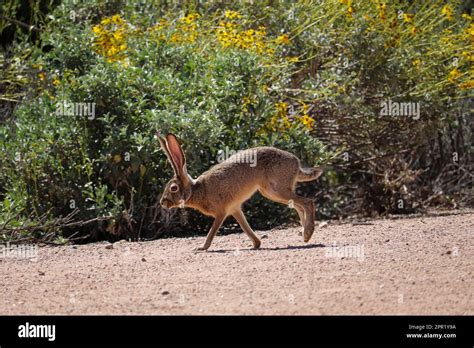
(387, 240)
(264, 236)
(41, 273)
(110, 246)
(165, 292)
(143, 259)
(448, 252)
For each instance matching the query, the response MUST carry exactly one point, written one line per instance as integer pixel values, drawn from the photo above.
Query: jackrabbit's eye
(174, 188)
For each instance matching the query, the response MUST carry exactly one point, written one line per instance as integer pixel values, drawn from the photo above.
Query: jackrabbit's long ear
(165, 149)
(177, 156)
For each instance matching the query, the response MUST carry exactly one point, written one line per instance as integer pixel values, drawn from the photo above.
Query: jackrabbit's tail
(308, 174)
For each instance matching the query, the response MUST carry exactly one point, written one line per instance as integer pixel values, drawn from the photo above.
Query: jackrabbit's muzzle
(166, 203)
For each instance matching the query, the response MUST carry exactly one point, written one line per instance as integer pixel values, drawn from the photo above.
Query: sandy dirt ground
(420, 265)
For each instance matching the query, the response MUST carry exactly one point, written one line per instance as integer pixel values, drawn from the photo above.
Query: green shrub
(181, 77)
(269, 73)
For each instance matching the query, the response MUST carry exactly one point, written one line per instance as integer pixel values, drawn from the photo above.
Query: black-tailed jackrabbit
(223, 189)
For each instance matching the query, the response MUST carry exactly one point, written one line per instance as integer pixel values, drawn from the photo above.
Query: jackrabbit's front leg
(242, 221)
(212, 232)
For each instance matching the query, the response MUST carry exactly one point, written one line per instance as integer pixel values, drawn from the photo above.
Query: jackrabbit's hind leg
(309, 222)
(285, 195)
(306, 206)
(302, 218)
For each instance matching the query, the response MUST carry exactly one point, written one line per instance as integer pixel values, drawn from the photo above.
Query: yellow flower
(350, 11)
(118, 35)
(305, 108)
(466, 16)
(97, 29)
(348, 3)
(232, 14)
(246, 101)
(112, 50)
(42, 76)
(293, 59)
(190, 18)
(280, 119)
(176, 37)
(408, 17)
(110, 38)
(116, 19)
(283, 39)
(307, 121)
(259, 47)
(470, 32)
(416, 62)
(467, 85)
(160, 25)
(413, 30)
(106, 20)
(468, 56)
(454, 75)
(190, 27)
(448, 12)
(232, 35)
(382, 11)
(56, 82)
(281, 107)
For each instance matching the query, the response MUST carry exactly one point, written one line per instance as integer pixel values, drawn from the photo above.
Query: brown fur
(221, 191)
